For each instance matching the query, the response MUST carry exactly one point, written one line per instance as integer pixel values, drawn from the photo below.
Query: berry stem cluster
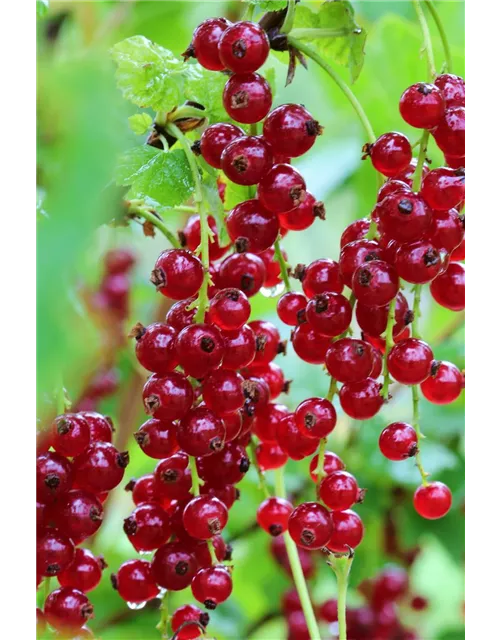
(442, 33)
(341, 566)
(141, 209)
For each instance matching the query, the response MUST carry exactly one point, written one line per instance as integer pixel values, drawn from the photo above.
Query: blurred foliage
(82, 129)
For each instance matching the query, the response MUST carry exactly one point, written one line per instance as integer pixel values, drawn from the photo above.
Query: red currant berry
(228, 495)
(54, 475)
(422, 105)
(339, 490)
(292, 441)
(270, 456)
(448, 289)
(309, 345)
(257, 396)
(406, 176)
(183, 617)
(135, 582)
(177, 274)
(244, 47)
(212, 586)
(84, 573)
(67, 609)
(200, 432)
(181, 314)
(101, 427)
(357, 230)
(223, 392)
(273, 514)
(245, 160)
(225, 467)
(213, 141)
(244, 271)
(392, 186)
(404, 216)
(247, 97)
(418, 262)
(447, 229)
(390, 153)
(173, 567)
(398, 441)
(444, 188)
(452, 88)
(329, 314)
(328, 611)
(444, 384)
(265, 424)
(157, 438)
(355, 254)
(290, 602)
(205, 44)
(375, 283)
(409, 362)
(281, 189)
(349, 360)
(303, 215)
(155, 347)
(169, 397)
(291, 130)
(79, 515)
(119, 260)
(273, 269)
(100, 467)
(273, 376)
(268, 342)
(147, 527)
(251, 227)
(390, 584)
(361, 400)
(315, 417)
(310, 525)
(239, 348)
(377, 364)
(348, 531)
(70, 434)
(173, 477)
(291, 308)
(190, 236)
(432, 501)
(321, 276)
(450, 132)
(143, 489)
(54, 552)
(458, 254)
(200, 348)
(331, 463)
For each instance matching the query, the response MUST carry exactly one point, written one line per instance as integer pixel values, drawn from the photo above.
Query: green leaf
(206, 87)
(269, 5)
(140, 123)
(235, 193)
(42, 6)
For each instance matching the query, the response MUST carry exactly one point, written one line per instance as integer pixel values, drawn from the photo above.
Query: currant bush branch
(141, 209)
(389, 343)
(341, 566)
(283, 265)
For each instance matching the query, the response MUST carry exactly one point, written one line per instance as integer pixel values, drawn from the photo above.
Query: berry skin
(135, 582)
(244, 271)
(54, 552)
(244, 47)
(101, 427)
(251, 227)
(377, 364)
(79, 515)
(223, 392)
(391, 186)
(265, 424)
(200, 348)
(190, 236)
(348, 531)
(448, 289)
(177, 274)
(321, 276)
(84, 573)
(239, 348)
(54, 475)
(418, 262)
(458, 254)
(225, 467)
(390, 153)
(267, 340)
(270, 456)
(119, 260)
(450, 133)
(100, 467)
(167, 397)
(205, 43)
(273, 514)
(303, 215)
(447, 230)
(273, 376)
(147, 527)
(339, 490)
(310, 525)
(375, 283)
(422, 105)
(357, 230)
(256, 394)
(406, 176)
(349, 360)
(404, 216)
(410, 361)
(281, 189)
(173, 477)
(67, 609)
(444, 188)
(292, 441)
(452, 88)
(309, 345)
(331, 463)
(179, 314)
(189, 613)
(315, 417)
(432, 501)
(329, 314)
(143, 489)
(390, 584)
(70, 434)
(361, 400)
(373, 320)
(212, 586)
(291, 130)
(247, 97)
(157, 438)
(273, 269)
(245, 160)
(213, 141)
(444, 384)
(355, 254)
(173, 567)
(398, 441)
(155, 347)
(200, 432)
(291, 308)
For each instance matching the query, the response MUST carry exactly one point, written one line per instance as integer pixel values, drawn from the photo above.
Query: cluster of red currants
(76, 467)
(113, 295)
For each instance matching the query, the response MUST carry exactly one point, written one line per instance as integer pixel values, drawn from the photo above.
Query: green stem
(304, 34)
(427, 39)
(298, 575)
(341, 566)
(46, 588)
(164, 617)
(260, 473)
(417, 176)
(289, 18)
(249, 11)
(332, 389)
(416, 311)
(372, 230)
(389, 342)
(139, 208)
(185, 209)
(320, 471)
(283, 265)
(211, 549)
(420, 435)
(195, 478)
(444, 38)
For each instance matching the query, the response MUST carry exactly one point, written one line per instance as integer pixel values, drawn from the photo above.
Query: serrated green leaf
(134, 162)
(140, 123)
(269, 5)
(206, 87)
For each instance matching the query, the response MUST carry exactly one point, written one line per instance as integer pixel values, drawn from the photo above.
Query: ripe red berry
(147, 527)
(291, 308)
(167, 397)
(84, 573)
(290, 602)
(339, 490)
(54, 475)
(406, 176)
(309, 345)
(173, 567)
(452, 88)
(244, 47)
(173, 477)
(79, 515)
(188, 613)
(391, 186)
(391, 584)
(422, 105)
(448, 289)
(155, 347)
(409, 361)
(310, 525)
(375, 283)
(315, 417)
(349, 360)
(273, 514)
(54, 552)
(265, 424)
(273, 269)
(390, 153)
(356, 253)
(267, 340)
(213, 141)
(398, 441)
(247, 97)
(302, 216)
(244, 271)
(223, 392)
(281, 189)
(270, 456)
(245, 160)
(331, 463)
(100, 467)
(190, 236)
(177, 274)
(357, 230)
(347, 532)
(251, 227)
(444, 384)
(119, 260)
(157, 438)
(404, 216)
(135, 582)
(205, 44)
(143, 489)
(361, 400)
(257, 396)
(444, 188)
(67, 609)
(450, 132)
(70, 434)
(447, 230)
(418, 262)
(200, 348)
(225, 467)
(291, 130)
(101, 427)
(432, 501)
(200, 432)
(329, 314)
(458, 254)
(212, 586)
(292, 441)
(273, 376)
(239, 348)
(321, 276)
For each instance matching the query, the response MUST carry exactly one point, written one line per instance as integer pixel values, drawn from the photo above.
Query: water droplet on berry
(135, 606)
(273, 292)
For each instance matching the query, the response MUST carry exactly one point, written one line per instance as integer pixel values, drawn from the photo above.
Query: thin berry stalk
(417, 176)
(420, 435)
(341, 566)
(332, 389)
(260, 473)
(139, 208)
(283, 265)
(320, 471)
(195, 478)
(289, 18)
(427, 39)
(163, 625)
(211, 549)
(389, 343)
(442, 33)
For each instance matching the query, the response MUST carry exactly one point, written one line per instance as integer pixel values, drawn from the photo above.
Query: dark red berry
(444, 188)
(244, 47)
(101, 427)
(100, 467)
(227, 494)
(247, 97)
(173, 567)
(239, 348)
(452, 89)
(79, 515)
(302, 216)
(213, 141)
(147, 527)
(406, 176)
(447, 230)
(264, 425)
(119, 260)
(173, 477)
(244, 271)
(433, 500)
(273, 376)
(315, 417)
(167, 397)
(190, 236)
(84, 573)
(444, 384)
(348, 531)
(331, 463)
(409, 361)
(54, 475)
(398, 441)
(448, 289)
(270, 456)
(281, 189)
(225, 467)
(357, 230)
(349, 360)
(157, 438)
(54, 552)
(267, 340)
(309, 345)
(70, 434)
(181, 314)
(375, 283)
(223, 392)
(321, 276)
(458, 254)
(404, 216)
(143, 489)
(291, 130)
(292, 441)
(251, 227)
(291, 308)
(355, 254)
(212, 586)
(391, 584)
(67, 609)
(155, 347)
(450, 132)
(200, 348)
(246, 159)
(205, 517)
(361, 400)
(135, 582)
(329, 314)
(418, 262)
(392, 186)
(290, 602)
(390, 153)
(177, 274)
(339, 490)
(257, 396)
(205, 44)
(422, 105)
(200, 432)
(310, 525)
(273, 514)
(184, 615)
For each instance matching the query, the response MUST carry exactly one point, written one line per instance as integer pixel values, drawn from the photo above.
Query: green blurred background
(82, 127)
